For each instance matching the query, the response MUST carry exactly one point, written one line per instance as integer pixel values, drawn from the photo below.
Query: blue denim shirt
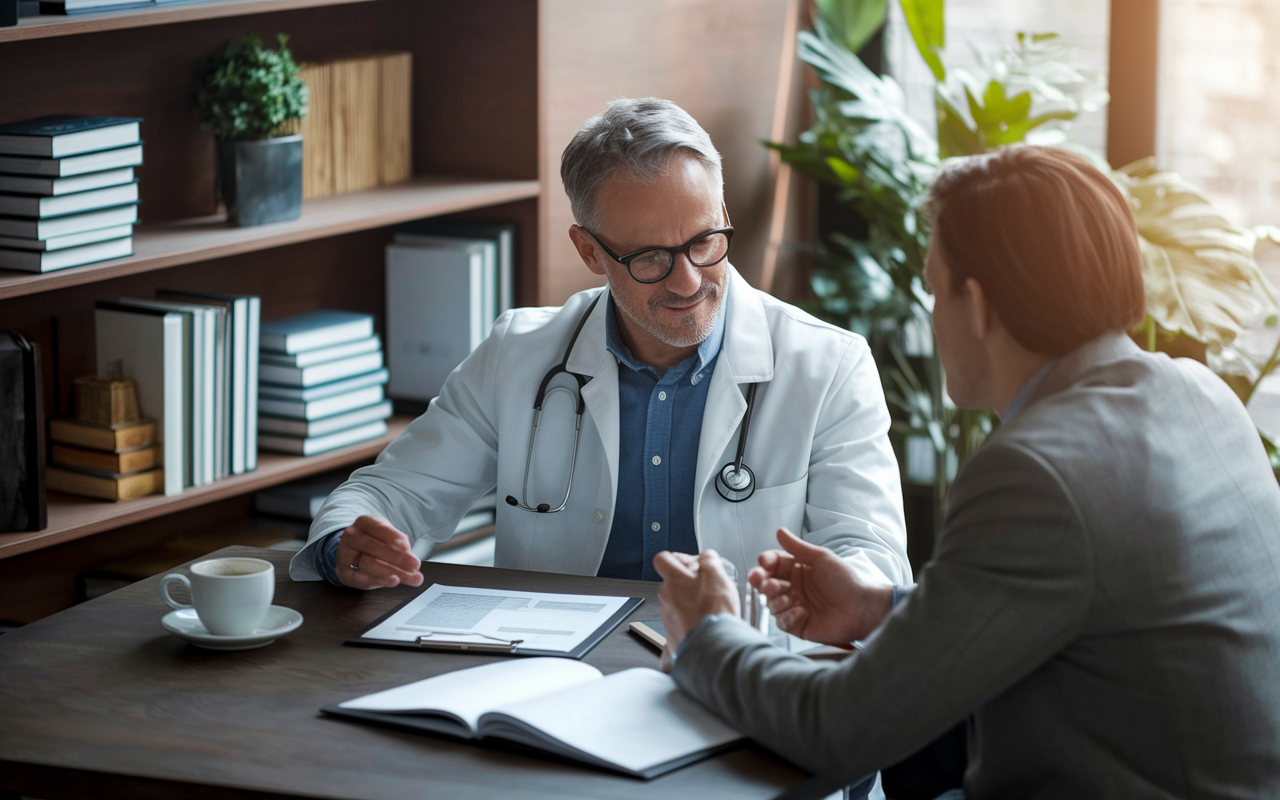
(659, 425)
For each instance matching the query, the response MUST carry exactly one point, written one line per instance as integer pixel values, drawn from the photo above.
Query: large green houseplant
(1203, 286)
(251, 99)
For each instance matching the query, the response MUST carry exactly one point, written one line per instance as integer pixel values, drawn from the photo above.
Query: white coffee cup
(230, 595)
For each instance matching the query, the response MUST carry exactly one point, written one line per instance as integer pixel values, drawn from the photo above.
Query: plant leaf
(927, 21)
(854, 22)
(1199, 271)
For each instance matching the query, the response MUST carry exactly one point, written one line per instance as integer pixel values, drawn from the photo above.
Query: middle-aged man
(1105, 596)
(710, 414)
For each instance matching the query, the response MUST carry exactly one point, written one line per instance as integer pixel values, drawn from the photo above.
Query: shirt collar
(707, 351)
(1020, 400)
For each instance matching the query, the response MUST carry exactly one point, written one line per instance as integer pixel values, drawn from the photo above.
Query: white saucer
(184, 624)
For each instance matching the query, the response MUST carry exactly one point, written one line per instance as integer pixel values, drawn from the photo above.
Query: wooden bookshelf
(48, 25)
(188, 241)
(72, 517)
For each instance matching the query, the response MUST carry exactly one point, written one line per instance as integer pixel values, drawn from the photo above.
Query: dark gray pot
(261, 182)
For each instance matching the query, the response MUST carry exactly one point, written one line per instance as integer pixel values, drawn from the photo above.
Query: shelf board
(47, 25)
(187, 241)
(72, 517)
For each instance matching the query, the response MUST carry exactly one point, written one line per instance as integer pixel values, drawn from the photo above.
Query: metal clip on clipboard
(499, 645)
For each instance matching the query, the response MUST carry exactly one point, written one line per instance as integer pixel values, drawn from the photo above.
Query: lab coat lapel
(589, 357)
(746, 356)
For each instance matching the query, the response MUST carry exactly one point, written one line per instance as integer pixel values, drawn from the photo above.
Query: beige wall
(718, 59)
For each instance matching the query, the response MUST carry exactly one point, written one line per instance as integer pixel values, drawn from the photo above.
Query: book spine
(317, 132)
(395, 116)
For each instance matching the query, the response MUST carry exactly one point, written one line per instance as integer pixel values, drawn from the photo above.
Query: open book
(635, 722)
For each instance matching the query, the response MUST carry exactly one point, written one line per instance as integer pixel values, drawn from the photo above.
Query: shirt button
(657, 460)
(598, 515)
(655, 527)
(696, 378)
(662, 395)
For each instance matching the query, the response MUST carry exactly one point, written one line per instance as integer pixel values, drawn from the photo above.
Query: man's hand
(691, 589)
(380, 554)
(813, 594)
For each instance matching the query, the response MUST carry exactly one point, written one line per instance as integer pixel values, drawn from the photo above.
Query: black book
(15, 205)
(22, 495)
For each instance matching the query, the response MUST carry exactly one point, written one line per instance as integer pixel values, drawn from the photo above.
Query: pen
(483, 647)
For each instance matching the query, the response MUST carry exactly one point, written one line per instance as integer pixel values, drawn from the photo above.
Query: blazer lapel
(590, 358)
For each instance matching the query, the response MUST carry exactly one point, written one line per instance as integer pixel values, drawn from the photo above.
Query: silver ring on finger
(356, 563)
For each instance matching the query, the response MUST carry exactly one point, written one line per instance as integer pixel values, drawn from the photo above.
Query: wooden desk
(99, 701)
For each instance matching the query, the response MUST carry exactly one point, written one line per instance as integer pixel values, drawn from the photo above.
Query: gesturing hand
(813, 594)
(380, 554)
(691, 589)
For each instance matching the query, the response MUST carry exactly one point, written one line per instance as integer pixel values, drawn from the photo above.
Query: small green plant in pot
(251, 98)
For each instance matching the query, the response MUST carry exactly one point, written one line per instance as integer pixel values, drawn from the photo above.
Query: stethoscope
(735, 482)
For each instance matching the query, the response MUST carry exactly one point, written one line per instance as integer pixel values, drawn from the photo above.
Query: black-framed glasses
(652, 264)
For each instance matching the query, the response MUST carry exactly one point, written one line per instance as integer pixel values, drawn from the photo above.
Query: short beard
(694, 332)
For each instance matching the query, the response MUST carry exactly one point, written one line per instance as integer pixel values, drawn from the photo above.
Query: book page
(553, 622)
(635, 719)
(469, 693)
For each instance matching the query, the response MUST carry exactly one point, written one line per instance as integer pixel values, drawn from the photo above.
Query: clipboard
(629, 605)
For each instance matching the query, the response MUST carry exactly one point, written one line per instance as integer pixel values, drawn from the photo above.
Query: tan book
(395, 142)
(116, 440)
(317, 131)
(105, 486)
(355, 128)
(125, 462)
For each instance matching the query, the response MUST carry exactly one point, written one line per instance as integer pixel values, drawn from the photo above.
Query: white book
(64, 226)
(241, 367)
(320, 444)
(251, 384)
(70, 240)
(67, 166)
(147, 345)
(309, 358)
(42, 207)
(319, 409)
(320, 373)
(309, 393)
(23, 184)
(435, 316)
(488, 248)
(219, 331)
(636, 721)
(201, 375)
(58, 136)
(36, 261)
(325, 426)
(315, 329)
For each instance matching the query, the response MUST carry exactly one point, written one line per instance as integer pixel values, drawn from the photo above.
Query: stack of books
(321, 379)
(118, 463)
(194, 357)
(357, 131)
(67, 191)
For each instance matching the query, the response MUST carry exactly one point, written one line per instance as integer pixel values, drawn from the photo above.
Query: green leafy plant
(247, 92)
(1203, 285)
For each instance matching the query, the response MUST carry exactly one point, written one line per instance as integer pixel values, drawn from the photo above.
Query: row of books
(194, 357)
(68, 195)
(357, 131)
(321, 383)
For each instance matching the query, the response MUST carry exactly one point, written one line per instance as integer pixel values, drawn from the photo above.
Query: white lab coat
(817, 443)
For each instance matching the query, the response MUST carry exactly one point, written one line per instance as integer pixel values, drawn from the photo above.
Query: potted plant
(251, 98)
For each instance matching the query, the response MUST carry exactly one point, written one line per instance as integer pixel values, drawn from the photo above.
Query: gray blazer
(1104, 601)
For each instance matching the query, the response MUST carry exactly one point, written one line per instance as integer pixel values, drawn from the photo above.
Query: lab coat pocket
(761, 514)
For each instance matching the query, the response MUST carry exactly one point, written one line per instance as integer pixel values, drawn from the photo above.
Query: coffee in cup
(230, 595)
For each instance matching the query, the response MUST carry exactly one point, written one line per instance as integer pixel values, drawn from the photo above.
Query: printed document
(549, 622)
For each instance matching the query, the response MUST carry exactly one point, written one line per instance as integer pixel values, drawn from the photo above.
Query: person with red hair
(1103, 605)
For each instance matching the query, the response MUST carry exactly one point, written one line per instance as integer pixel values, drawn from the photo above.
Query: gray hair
(635, 137)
